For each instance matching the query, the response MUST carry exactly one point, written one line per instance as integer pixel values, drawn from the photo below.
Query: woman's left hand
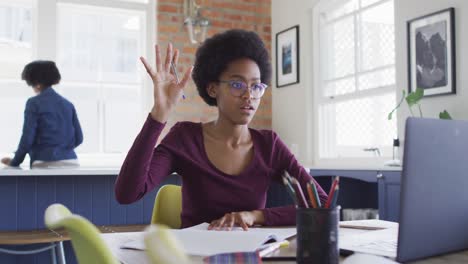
(243, 219)
(6, 161)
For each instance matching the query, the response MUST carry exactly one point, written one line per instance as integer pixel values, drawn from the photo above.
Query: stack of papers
(200, 241)
(373, 237)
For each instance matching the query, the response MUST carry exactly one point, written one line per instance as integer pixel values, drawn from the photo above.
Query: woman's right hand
(166, 91)
(6, 161)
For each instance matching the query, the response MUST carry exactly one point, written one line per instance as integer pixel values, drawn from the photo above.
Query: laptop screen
(434, 189)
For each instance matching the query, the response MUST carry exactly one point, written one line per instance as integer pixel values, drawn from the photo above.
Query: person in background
(51, 130)
(226, 167)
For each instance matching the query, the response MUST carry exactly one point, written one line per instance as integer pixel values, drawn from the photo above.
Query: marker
(271, 247)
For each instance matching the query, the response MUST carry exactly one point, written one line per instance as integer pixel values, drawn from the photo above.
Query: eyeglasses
(239, 88)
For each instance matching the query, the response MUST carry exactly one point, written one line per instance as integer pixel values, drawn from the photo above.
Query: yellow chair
(88, 245)
(162, 247)
(168, 206)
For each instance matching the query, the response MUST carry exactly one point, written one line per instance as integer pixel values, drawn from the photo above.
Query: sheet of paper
(367, 259)
(202, 242)
(380, 242)
(281, 233)
(371, 224)
(126, 256)
(351, 231)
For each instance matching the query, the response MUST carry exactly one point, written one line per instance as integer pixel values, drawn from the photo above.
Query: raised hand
(166, 90)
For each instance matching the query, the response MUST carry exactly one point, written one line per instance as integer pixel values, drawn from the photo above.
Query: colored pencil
(317, 198)
(290, 190)
(335, 196)
(313, 203)
(299, 193)
(332, 190)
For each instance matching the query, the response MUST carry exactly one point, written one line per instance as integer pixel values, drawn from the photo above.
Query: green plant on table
(414, 99)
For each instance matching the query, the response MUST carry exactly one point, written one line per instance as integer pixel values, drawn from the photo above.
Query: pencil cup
(317, 235)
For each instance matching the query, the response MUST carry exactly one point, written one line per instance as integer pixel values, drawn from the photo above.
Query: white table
(128, 256)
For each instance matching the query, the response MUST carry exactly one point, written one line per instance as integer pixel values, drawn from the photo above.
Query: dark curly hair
(41, 72)
(214, 55)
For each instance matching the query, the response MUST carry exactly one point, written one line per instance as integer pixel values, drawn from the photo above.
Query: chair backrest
(162, 247)
(168, 206)
(87, 243)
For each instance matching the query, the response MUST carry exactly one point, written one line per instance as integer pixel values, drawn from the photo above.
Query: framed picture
(431, 53)
(287, 57)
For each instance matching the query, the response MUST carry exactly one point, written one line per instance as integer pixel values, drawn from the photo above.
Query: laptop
(433, 198)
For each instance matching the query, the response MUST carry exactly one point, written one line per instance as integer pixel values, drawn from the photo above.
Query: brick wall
(254, 15)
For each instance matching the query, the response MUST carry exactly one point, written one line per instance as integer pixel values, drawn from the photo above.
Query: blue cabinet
(365, 189)
(23, 200)
(389, 194)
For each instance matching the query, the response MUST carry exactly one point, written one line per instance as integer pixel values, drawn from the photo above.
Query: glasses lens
(238, 88)
(258, 89)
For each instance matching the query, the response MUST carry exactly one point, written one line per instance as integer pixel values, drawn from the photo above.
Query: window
(15, 51)
(96, 45)
(98, 50)
(354, 59)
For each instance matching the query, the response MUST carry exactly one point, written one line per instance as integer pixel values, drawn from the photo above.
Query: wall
(455, 104)
(292, 105)
(252, 15)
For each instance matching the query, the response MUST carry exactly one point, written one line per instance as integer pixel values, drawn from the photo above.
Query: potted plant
(414, 99)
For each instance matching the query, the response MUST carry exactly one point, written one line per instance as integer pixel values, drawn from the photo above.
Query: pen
(174, 69)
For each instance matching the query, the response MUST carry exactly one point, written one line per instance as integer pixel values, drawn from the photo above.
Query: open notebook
(197, 240)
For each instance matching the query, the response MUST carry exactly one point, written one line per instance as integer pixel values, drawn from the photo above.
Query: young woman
(226, 167)
(51, 130)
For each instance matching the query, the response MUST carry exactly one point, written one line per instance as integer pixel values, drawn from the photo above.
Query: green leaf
(389, 117)
(445, 115)
(414, 97)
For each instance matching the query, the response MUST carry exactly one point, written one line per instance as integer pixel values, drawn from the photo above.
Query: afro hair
(216, 53)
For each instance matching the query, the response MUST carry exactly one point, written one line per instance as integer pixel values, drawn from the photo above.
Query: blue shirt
(51, 129)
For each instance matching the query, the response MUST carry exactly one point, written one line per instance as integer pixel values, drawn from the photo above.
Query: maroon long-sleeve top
(207, 192)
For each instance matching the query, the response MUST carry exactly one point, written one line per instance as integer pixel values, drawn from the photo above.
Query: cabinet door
(389, 195)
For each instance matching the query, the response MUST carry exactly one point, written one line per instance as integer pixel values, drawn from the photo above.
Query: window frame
(320, 99)
(44, 46)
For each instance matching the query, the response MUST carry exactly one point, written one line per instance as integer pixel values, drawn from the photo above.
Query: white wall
(457, 104)
(291, 105)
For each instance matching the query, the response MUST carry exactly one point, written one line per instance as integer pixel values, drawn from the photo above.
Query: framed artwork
(287, 57)
(431, 53)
